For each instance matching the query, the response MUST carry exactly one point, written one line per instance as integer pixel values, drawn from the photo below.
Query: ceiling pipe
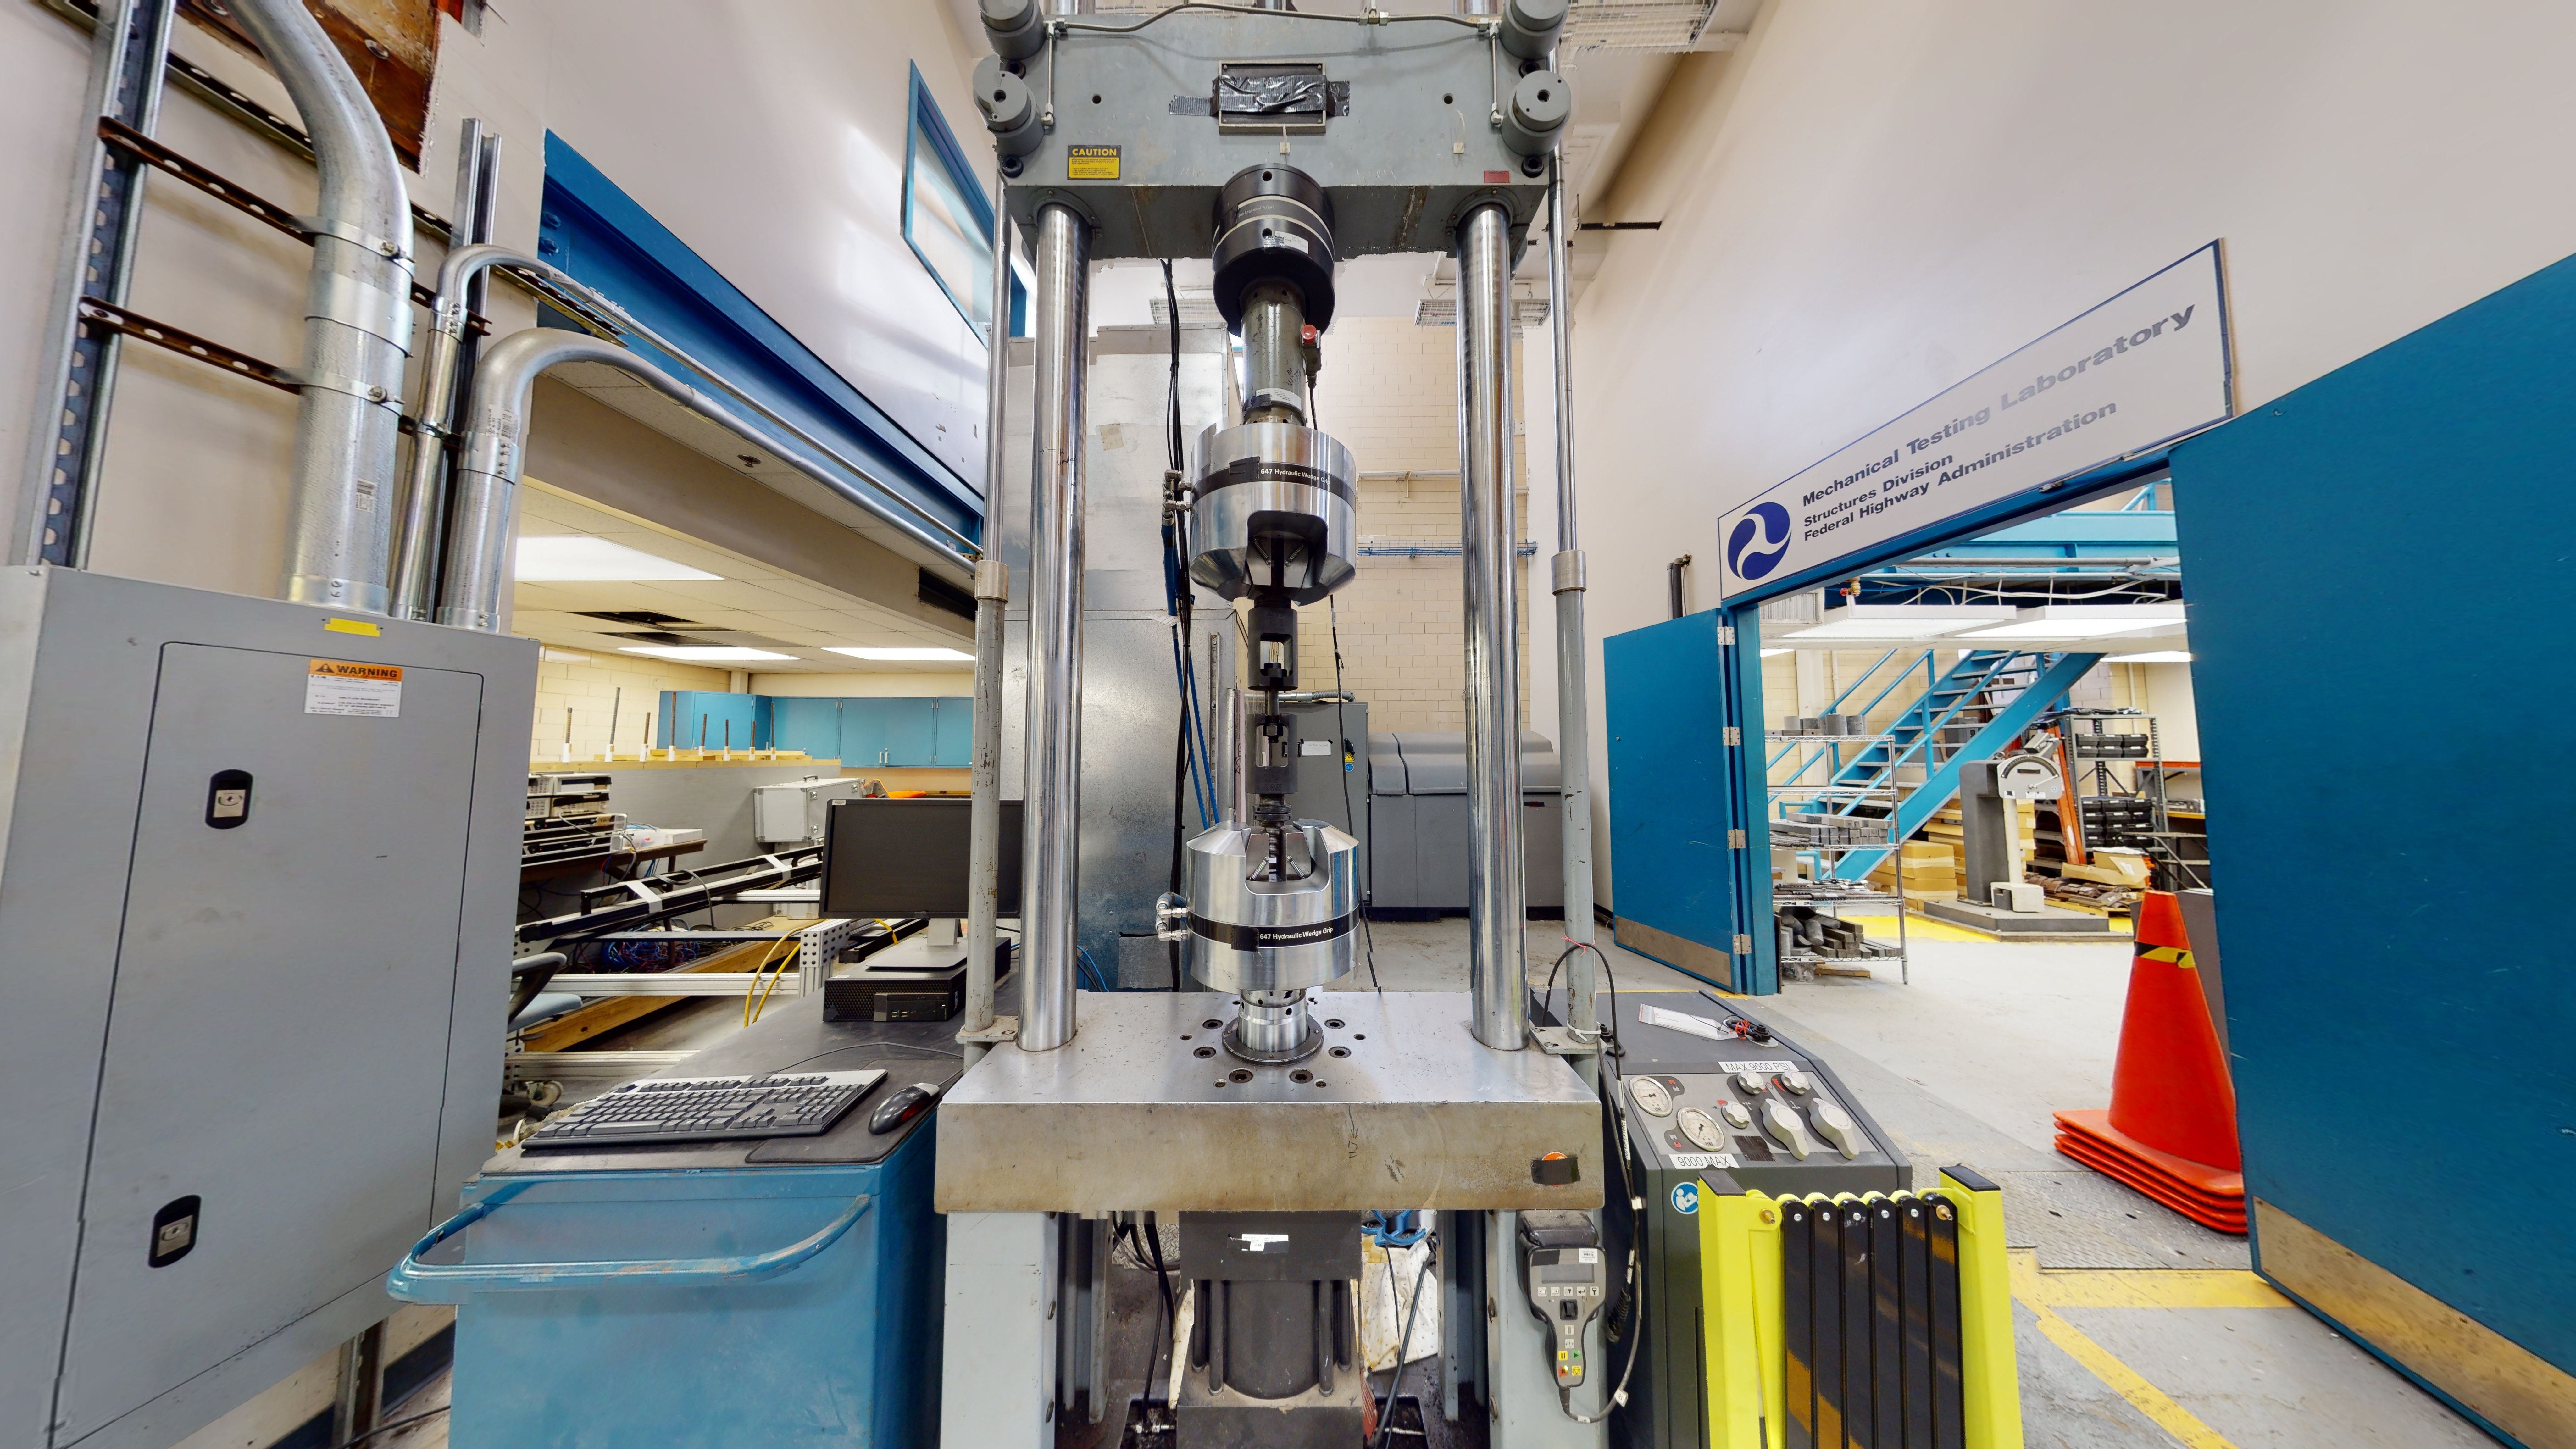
(357, 322)
(487, 475)
(425, 498)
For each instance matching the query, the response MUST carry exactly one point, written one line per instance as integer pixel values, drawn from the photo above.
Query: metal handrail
(413, 1281)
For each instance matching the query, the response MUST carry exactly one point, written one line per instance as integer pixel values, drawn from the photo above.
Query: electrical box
(256, 888)
(793, 813)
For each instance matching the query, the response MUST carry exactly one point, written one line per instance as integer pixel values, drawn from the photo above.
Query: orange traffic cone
(2171, 1130)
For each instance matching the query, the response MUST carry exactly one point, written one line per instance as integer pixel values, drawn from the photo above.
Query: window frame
(923, 121)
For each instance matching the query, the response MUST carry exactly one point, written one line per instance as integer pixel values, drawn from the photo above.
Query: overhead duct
(357, 322)
(487, 480)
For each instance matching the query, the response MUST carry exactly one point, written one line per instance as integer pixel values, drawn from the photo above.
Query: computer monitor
(889, 858)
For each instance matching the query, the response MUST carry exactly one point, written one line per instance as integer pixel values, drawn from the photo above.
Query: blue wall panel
(1671, 800)
(956, 747)
(2380, 567)
(595, 231)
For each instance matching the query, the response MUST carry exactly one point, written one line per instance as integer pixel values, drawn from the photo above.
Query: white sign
(2142, 369)
(1684, 1022)
(341, 686)
(1701, 1162)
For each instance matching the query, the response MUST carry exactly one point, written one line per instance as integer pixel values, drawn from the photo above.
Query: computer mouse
(902, 1107)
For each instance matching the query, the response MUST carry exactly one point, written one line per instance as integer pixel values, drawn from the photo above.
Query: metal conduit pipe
(426, 499)
(1573, 684)
(357, 322)
(992, 596)
(1059, 322)
(487, 481)
(1497, 971)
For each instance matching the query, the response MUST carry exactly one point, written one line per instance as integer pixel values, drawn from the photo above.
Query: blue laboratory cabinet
(692, 717)
(709, 1295)
(858, 731)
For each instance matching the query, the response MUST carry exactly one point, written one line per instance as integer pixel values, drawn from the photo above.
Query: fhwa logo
(1767, 523)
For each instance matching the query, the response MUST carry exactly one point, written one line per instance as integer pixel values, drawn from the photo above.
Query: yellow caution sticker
(347, 687)
(1090, 163)
(352, 626)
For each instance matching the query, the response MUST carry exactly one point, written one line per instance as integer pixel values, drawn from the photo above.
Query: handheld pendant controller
(1568, 1280)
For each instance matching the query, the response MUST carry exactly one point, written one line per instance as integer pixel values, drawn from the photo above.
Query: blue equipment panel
(778, 1292)
(2377, 871)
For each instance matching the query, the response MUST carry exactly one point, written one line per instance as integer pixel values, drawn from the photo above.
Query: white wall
(769, 138)
(1873, 201)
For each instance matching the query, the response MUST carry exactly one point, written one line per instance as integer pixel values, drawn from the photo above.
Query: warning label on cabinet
(341, 686)
(1090, 163)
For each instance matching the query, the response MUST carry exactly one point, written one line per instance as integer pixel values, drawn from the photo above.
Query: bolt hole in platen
(1239, 1074)
(1334, 1023)
(1301, 1075)
(1095, 100)
(1212, 1024)
(1341, 1051)
(1203, 1053)
(1359, 1036)
(1444, 100)
(1319, 1081)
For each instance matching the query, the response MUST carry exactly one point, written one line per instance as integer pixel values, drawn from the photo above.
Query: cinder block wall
(589, 686)
(1389, 390)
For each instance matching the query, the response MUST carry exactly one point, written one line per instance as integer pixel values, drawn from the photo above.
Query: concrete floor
(2138, 1328)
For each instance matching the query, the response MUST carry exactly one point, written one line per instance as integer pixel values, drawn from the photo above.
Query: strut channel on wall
(599, 234)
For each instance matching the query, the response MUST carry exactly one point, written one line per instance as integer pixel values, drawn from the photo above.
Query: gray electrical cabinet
(258, 867)
(1421, 810)
(1325, 790)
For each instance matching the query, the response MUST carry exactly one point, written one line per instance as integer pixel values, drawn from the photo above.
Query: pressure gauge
(1651, 1096)
(1702, 1130)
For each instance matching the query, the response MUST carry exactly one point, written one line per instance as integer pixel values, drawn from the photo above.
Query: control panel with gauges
(1712, 1101)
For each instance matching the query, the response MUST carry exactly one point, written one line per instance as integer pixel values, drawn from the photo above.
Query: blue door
(956, 733)
(812, 725)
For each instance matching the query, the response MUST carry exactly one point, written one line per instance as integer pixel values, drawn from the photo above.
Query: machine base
(2046, 921)
(1144, 1110)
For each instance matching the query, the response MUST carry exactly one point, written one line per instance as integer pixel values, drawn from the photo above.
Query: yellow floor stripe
(2139, 1287)
(2149, 1400)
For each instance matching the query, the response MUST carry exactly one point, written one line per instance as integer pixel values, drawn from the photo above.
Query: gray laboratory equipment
(1421, 802)
(259, 874)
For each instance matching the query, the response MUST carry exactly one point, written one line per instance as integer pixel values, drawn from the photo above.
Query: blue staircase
(2000, 691)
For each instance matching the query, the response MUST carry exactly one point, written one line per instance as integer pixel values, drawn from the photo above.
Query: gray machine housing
(286, 1005)
(1137, 149)
(1418, 817)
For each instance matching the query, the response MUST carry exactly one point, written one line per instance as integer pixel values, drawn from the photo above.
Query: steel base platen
(1146, 1110)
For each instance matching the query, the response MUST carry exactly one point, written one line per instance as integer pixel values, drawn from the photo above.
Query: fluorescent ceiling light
(2080, 621)
(2153, 656)
(702, 653)
(1768, 653)
(582, 558)
(898, 654)
(1899, 621)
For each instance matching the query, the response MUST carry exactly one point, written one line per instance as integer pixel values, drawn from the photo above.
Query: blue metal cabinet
(889, 732)
(693, 717)
(955, 731)
(809, 724)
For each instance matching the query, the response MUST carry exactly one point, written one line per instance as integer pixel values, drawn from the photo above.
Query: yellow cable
(749, 1014)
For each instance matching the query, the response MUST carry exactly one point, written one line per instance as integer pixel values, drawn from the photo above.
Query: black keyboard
(706, 1109)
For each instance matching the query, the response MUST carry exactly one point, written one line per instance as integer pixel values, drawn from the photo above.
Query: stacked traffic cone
(2171, 1130)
